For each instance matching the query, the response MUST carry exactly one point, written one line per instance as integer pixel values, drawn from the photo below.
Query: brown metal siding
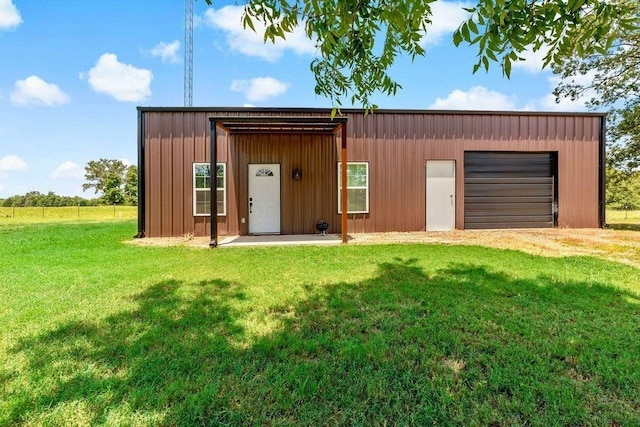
(396, 145)
(303, 202)
(447, 136)
(173, 142)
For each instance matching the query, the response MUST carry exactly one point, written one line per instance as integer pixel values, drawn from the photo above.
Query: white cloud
(445, 19)
(68, 170)
(124, 82)
(251, 43)
(532, 61)
(476, 98)
(260, 88)
(35, 91)
(481, 98)
(168, 52)
(11, 163)
(9, 15)
(548, 102)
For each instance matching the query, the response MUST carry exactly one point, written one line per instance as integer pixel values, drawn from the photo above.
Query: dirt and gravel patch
(616, 245)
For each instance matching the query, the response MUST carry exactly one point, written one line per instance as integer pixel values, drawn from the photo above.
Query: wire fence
(43, 213)
(69, 212)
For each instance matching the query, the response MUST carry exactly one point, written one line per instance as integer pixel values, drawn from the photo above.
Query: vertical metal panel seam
(141, 181)
(602, 137)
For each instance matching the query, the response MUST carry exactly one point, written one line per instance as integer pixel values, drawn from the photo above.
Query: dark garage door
(509, 190)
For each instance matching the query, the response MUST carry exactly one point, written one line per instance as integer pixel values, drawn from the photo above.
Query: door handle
(250, 204)
(451, 195)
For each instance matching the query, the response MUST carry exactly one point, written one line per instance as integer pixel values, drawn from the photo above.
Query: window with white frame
(202, 189)
(357, 187)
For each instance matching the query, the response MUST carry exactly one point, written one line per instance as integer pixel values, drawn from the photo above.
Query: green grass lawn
(98, 332)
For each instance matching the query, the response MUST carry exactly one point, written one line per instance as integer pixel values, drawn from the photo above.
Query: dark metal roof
(278, 124)
(341, 112)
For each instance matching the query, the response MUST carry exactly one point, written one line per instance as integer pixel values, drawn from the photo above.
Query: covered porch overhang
(235, 125)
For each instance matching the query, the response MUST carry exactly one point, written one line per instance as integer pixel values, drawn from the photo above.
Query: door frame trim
(249, 232)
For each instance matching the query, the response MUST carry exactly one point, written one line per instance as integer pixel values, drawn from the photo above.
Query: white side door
(441, 195)
(264, 198)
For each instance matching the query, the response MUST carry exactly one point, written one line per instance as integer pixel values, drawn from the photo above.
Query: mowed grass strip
(97, 332)
(16, 215)
(623, 220)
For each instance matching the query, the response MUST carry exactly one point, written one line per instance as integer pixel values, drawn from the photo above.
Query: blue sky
(73, 72)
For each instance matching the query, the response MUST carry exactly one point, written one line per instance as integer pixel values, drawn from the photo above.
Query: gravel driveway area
(616, 245)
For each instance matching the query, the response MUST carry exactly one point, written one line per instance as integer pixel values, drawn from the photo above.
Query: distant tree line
(116, 182)
(36, 198)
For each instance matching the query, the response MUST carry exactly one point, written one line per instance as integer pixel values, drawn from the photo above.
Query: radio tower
(188, 53)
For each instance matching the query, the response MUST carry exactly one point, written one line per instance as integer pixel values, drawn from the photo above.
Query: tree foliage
(36, 199)
(610, 80)
(623, 189)
(113, 179)
(131, 186)
(96, 173)
(504, 29)
(358, 41)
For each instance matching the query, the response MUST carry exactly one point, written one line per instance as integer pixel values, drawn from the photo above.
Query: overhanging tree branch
(358, 41)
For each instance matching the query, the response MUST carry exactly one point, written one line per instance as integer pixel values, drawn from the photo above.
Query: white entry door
(264, 198)
(441, 195)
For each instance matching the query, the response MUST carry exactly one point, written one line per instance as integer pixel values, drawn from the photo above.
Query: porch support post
(343, 178)
(213, 182)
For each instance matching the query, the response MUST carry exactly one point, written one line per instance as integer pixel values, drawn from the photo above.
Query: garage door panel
(491, 209)
(516, 199)
(511, 219)
(528, 169)
(509, 180)
(506, 190)
(509, 190)
(479, 157)
(503, 225)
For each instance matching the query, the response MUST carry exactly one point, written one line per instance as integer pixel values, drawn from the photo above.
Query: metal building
(280, 170)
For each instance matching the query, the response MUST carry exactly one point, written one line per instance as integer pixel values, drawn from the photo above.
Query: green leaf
(507, 67)
(464, 30)
(457, 38)
(472, 26)
(248, 22)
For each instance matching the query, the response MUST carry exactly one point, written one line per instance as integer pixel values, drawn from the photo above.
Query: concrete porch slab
(280, 240)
